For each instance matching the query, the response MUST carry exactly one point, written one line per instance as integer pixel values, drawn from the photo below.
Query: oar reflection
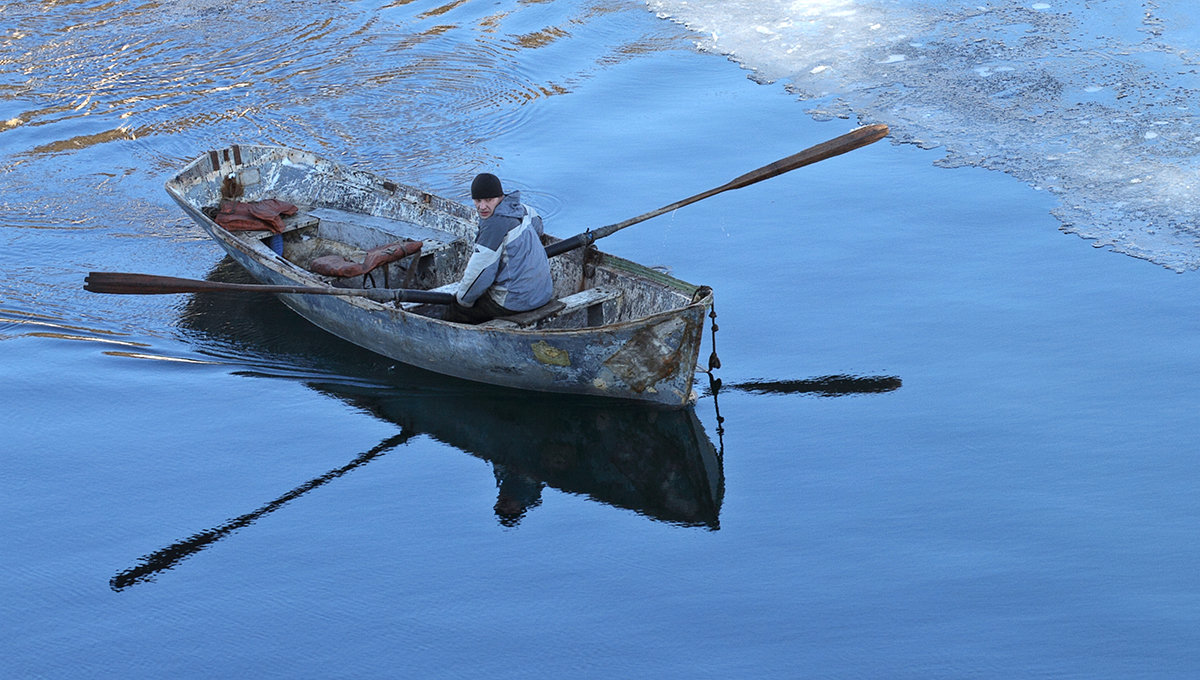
(825, 386)
(168, 557)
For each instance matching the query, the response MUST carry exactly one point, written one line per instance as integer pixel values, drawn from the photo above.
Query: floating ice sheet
(1094, 101)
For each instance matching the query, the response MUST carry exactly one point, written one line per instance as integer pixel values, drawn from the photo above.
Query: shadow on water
(659, 464)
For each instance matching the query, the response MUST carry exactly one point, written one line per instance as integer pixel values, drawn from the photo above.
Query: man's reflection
(517, 493)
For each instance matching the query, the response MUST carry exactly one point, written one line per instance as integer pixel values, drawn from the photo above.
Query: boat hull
(649, 358)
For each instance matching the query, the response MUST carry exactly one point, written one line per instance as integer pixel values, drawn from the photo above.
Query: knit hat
(486, 185)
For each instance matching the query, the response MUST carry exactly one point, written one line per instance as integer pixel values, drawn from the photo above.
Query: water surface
(953, 441)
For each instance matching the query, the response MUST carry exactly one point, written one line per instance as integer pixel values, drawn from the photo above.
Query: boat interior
(363, 222)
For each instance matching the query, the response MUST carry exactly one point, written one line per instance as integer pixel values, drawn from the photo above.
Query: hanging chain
(714, 362)
(714, 383)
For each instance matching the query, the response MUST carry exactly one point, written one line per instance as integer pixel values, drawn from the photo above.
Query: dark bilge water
(953, 441)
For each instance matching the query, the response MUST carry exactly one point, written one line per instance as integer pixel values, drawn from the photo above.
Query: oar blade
(122, 283)
(856, 138)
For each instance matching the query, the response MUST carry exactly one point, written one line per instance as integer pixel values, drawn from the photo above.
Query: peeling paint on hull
(645, 349)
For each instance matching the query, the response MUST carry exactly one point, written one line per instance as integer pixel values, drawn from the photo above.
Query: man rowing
(508, 271)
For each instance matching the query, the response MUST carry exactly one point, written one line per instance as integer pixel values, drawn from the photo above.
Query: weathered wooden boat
(615, 329)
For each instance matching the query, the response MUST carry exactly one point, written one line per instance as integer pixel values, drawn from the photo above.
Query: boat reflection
(657, 463)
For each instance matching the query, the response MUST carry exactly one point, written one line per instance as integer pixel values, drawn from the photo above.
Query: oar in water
(850, 141)
(148, 284)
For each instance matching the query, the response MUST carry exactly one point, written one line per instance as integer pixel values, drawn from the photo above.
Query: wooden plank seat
(589, 299)
(440, 248)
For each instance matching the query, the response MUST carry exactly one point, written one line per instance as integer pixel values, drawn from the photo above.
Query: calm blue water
(211, 488)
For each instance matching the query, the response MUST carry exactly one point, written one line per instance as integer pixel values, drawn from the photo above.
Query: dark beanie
(486, 185)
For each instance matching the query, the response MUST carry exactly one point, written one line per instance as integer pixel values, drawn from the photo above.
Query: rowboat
(614, 329)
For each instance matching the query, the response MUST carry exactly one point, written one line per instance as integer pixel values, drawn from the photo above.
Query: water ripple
(101, 100)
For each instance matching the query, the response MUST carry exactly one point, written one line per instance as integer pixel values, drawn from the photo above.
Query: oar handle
(123, 283)
(576, 241)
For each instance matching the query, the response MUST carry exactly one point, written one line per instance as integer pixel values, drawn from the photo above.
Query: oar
(148, 284)
(835, 147)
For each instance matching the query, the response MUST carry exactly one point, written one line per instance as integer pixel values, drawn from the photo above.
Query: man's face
(486, 206)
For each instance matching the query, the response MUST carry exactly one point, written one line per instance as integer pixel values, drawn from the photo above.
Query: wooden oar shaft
(850, 141)
(123, 283)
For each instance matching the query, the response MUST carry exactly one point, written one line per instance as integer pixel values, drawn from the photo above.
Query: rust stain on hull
(549, 354)
(651, 354)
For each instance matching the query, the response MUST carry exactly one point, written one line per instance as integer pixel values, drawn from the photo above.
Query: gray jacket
(509, 263)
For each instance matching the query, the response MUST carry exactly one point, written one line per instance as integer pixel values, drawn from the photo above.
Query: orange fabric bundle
(336, 265)
(255, 216)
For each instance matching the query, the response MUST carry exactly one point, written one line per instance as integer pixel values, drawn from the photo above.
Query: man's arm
(480, 274)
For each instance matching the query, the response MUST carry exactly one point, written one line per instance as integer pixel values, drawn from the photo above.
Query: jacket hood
(510, 206)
